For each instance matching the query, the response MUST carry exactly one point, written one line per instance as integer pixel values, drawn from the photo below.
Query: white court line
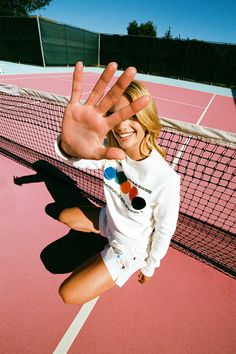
(30, 77)
(50, 76)
(86, 93)
(184, 146)
(75, 327)
(58, 78)
(179, 102)
(205, 110)
(159, 98)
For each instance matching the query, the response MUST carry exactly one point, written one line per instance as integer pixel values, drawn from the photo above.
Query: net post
(40, 40)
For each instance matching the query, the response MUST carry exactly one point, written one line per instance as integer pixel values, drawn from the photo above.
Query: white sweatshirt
(142, 204)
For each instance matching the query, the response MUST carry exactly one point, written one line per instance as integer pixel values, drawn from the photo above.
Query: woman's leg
(83, 218)
(86, 282)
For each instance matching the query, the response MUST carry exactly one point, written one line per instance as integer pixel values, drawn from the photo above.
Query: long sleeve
(78, 163)
(165, 217)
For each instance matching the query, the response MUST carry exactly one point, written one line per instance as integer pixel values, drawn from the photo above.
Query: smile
(125, 135)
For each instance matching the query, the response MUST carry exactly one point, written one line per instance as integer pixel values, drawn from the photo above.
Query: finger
(117, 90)
(110, 154)
(127, 112)
(141, 281)
(140, 277)
(101, 84)
(77, 83)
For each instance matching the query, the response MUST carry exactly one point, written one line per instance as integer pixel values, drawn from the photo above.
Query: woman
(141, 189)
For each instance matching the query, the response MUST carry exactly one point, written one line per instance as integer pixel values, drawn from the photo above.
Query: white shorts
(121, 264)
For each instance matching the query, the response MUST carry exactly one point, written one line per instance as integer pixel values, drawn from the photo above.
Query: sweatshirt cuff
(148, 272)
(150, 267)
(60, 153)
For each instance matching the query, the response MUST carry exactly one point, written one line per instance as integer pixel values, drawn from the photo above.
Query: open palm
(85, 126)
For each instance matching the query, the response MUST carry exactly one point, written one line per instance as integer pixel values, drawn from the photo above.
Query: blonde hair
(147, 117)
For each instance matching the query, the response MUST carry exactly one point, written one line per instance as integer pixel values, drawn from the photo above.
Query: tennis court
(188, 307)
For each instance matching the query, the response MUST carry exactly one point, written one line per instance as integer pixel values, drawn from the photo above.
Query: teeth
(125, 135)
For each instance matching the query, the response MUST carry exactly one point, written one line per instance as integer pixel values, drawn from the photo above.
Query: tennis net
(205, 158)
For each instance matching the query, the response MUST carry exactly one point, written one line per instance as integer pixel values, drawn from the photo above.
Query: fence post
(40, 40)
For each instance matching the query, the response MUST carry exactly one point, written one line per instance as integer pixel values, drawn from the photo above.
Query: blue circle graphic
(109, 173)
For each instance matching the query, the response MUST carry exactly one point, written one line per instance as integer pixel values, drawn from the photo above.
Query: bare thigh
(87, 282)
(83, 218)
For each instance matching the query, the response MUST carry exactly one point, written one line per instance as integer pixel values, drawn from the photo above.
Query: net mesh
(204, 158)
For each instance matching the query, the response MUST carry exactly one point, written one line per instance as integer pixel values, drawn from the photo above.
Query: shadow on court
(75, 248)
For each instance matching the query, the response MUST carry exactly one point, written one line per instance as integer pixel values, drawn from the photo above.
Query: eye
(109, 113)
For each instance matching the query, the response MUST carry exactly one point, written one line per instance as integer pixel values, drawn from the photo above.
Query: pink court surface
(187, 307)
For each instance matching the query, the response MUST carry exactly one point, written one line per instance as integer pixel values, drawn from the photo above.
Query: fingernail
(132, 68)
(113, 63)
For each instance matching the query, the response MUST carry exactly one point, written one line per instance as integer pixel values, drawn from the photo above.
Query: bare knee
(68, 218)
(69, 298)
(65, 216)
(86, 284)
(76, 220)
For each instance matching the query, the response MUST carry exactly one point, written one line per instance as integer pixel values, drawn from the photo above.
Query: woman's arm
(166, 216)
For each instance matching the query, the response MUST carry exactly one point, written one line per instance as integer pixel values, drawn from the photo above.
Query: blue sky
(209, 20)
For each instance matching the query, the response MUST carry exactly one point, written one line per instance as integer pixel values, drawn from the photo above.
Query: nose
(122, 125)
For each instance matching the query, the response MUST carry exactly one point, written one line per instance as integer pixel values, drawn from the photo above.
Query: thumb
(110, 153)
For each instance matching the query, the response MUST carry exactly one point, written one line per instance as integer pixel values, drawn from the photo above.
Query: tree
(144, 29)
(21, 7)
(168, 34)
(133, 28)
(147, 29)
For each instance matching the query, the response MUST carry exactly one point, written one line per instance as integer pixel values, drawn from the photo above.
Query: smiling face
(137, 136)
(129, 133)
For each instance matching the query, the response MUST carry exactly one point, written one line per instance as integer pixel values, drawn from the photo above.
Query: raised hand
(85, 126)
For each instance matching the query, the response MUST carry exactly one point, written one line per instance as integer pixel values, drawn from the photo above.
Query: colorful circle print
(126, 187)
(110, 173)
